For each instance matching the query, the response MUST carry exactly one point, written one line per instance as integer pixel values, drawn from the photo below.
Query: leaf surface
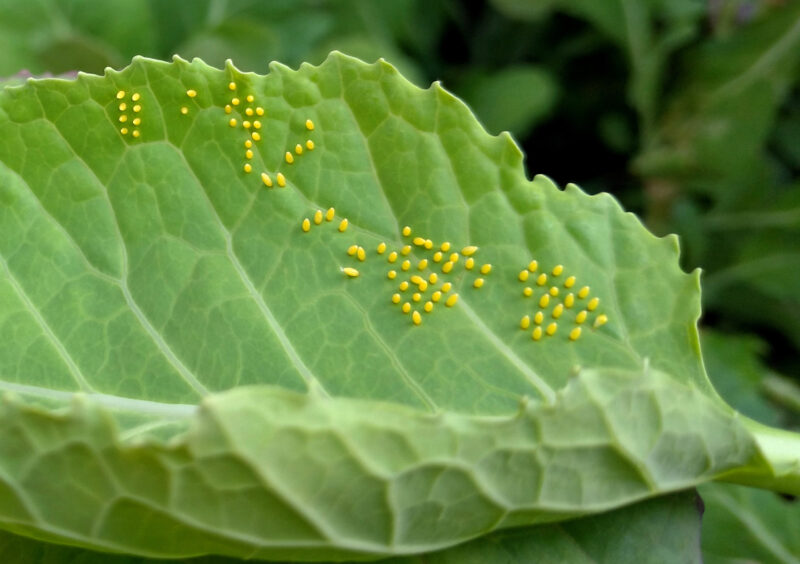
(655, 530)
(186, 339)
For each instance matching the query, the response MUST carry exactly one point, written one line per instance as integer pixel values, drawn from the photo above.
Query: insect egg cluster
(244, 113)
(355, 251)
(289, 156)
(562, 297)
(317, 219)
(250, 122)
(129, 117)
(422, 274)
(423, 281)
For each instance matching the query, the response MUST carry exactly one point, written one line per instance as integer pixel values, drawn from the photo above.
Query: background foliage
(688, 111)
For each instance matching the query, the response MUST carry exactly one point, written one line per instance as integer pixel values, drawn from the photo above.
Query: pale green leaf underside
(269, 473)
(663, 529)
(151, 273)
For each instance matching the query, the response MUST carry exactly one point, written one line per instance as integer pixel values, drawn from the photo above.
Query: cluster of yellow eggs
(425, 279)
(552, 291)
(422, 282)
(248, 116)
(318, 216)
(129, 118)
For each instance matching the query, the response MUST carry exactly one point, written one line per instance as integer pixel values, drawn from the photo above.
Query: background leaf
(514, 99)
(738, 374)
(745, 523)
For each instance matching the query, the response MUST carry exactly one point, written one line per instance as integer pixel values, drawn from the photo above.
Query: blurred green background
(688, 111)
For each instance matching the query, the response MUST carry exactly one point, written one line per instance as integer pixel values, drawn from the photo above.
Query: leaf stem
(777, 467)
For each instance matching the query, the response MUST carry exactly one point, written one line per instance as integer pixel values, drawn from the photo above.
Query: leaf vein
(72, 366)
(311, 381)
(537, 381)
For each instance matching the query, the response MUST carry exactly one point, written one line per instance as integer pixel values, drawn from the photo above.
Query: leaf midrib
(121, 403)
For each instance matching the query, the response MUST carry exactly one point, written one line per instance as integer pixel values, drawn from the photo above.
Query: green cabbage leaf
(322, 314)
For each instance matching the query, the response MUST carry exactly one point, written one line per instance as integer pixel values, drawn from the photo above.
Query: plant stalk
(777, 467)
